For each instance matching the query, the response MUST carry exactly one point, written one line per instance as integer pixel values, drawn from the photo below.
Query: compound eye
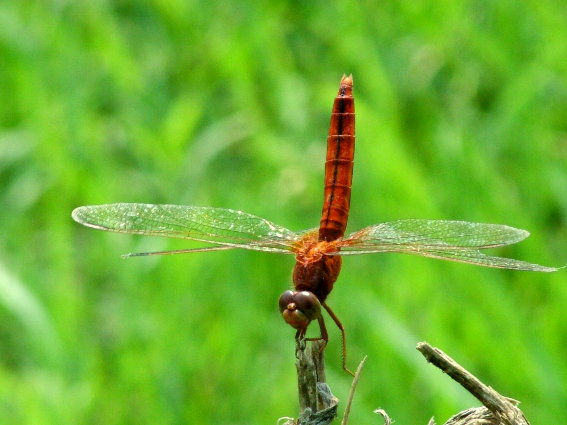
(286, 299)
(299, 308)
(308, 303)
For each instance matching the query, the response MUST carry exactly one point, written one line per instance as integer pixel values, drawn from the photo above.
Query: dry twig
(498, 410)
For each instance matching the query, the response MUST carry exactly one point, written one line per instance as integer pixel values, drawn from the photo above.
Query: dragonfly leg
(299, 341)
(300, 336)
(324, 335)
(323, 328)
(343, 335)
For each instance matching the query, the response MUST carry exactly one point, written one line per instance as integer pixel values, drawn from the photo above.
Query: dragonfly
(318, 252)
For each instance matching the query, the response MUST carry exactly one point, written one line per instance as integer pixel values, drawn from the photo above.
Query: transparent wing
(310, 235)
(443, 239)
(225, 227)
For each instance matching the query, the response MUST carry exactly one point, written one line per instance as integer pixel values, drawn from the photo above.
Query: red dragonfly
(318, 252)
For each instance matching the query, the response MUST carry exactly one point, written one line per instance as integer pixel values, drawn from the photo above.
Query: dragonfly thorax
(317, 275)
(313, 251)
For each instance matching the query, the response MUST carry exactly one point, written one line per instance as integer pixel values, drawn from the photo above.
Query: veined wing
(443, 239)
(225, 227)
(308, 235)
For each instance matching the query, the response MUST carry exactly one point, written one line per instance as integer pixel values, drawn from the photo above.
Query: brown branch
(318, 406)
(498, 409)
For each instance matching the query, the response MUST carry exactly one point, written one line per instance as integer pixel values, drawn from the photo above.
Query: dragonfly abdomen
(339, 165)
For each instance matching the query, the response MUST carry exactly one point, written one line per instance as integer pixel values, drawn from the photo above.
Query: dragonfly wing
(443, 239)
(219, 226)
(308, 234)
(473, 256)
(437, 233)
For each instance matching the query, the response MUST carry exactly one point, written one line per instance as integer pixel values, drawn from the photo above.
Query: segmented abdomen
(339, 164)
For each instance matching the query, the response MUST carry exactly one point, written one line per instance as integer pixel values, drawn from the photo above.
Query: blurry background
(461, 114)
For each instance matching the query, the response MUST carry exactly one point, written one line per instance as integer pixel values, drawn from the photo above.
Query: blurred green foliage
(462, 114)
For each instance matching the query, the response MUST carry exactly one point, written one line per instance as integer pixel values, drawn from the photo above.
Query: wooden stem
(317, 404)
(499, 409)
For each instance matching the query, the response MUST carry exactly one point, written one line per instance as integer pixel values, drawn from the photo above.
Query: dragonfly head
(299, 308)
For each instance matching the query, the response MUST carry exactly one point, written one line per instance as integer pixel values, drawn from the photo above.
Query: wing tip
(552, 269)
(81, 216)
(77, 213)
(522, 233)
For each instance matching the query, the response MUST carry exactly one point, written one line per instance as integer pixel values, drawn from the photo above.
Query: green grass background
(461, 114)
